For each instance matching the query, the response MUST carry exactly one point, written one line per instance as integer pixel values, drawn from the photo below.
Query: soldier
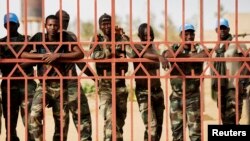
(192, 89)
(227, 85)
(142, 91)
(103, 51)
(72, 90)
(17, 92)
(52, 68)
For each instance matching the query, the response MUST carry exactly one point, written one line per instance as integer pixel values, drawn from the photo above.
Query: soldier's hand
(119, 31)
(164, 62)
(51, 57)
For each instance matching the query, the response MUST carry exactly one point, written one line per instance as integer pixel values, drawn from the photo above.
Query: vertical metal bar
(96, 105)
(25, 21)
(202, 106)
(8, 80)
(131, 81)
(237, 45)
(131, 20)
(184, 80)
(61, 82)
(201, 22)
(166, 79)
(183, 22)
(219, 98)
(184, 107)
(166, 19)
(148, 20)
(218, 22)
(43, 77)
(8, 24)
(26, 107)
(95, 20)
(149, 87)
(149, 108)
(78, 21)
(60, 21)
(202, 103)
(113, 71)
(96, 78)
(61, 108)
(44, 105)
(166, 99)
(79, 118)
(132, 115)
(8, 109)
(219, 77)
(43, 21)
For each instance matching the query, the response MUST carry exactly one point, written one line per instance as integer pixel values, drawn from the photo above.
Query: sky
(139, 10)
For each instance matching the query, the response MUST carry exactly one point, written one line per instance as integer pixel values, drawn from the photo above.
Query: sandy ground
(134, 128)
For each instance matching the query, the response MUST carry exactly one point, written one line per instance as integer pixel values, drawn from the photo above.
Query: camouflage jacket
(99, 52)
(186, 68)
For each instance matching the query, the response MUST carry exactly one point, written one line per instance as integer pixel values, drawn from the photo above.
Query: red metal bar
(184, 80)
(202, 93)
(131, 80)
(8, 82)
(237, 47)
(113, 23)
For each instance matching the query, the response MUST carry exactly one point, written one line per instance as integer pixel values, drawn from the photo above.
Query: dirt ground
(134, 128)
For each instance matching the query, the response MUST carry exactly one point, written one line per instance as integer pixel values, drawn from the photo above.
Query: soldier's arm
(201, 54)
(157, 57)
(27, 64)
(29, 52)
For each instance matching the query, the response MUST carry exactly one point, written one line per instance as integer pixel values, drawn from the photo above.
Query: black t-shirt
(63, 68)
(151, 68)
(11, 52)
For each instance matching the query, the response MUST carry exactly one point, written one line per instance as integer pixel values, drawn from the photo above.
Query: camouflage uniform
(157, 98)
(105, 88)
(72, 104)
(85, 117)
(192, 98)
(53, 87)
(228, 92)
(17, 88)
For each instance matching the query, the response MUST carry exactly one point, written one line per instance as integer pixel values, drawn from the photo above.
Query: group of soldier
(62, 93)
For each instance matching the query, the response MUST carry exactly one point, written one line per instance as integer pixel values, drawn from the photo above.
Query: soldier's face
(145, 35)
(12, 27)
(52, 26)
(65, 24)
(224, 32)
(189, 36)
(105, 27)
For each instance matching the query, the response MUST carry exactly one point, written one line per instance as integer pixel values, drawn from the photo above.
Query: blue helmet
(11, 17)
(186, 27)
(223, 22)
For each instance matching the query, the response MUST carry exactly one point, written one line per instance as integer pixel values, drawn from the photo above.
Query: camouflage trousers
(156, 111)
(52, 95)
(85, 117)
(228, 105)
(17, 97)
(192, 115)
(105, 96)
